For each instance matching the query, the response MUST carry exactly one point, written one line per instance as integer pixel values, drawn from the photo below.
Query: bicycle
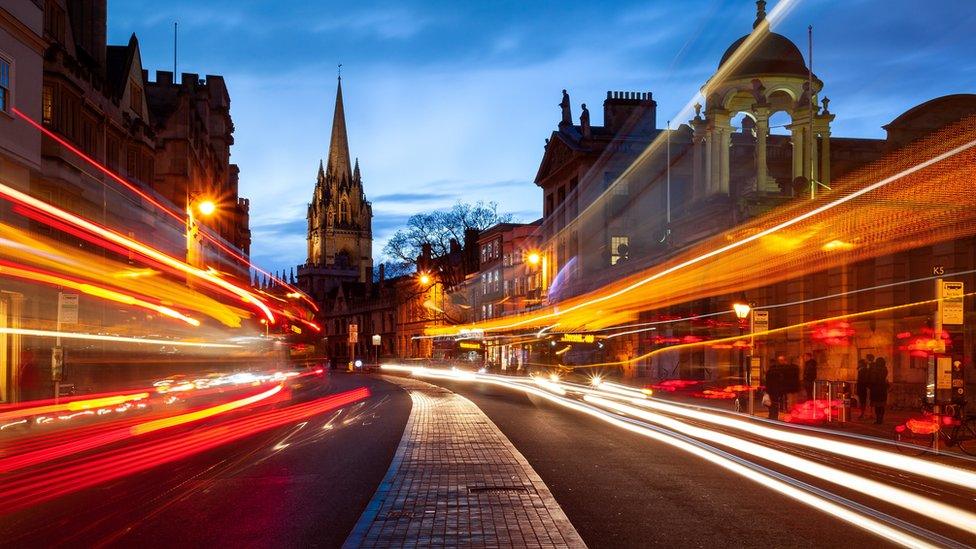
(917, 436)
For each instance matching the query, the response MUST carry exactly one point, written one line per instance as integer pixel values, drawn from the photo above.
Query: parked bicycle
(953, 427)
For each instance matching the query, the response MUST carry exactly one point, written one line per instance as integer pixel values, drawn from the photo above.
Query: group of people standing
(872, 379)
(784, 377)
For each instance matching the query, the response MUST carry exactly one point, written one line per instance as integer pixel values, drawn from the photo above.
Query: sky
(449, 101)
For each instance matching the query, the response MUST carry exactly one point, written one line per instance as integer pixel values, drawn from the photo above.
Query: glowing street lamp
(534, 258)
(424, 279)
(206, 207)
(742, 310)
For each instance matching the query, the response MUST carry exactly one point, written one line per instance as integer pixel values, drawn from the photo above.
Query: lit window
(47, 104)
(619, 248)
(4, 85)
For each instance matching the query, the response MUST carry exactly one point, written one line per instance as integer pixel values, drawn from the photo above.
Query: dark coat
(810, 371)
(778, 381)
(879, 383)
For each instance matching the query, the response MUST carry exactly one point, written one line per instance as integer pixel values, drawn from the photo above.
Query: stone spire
(321, 176)
(338, 166)
(760, 13)
(355, 171)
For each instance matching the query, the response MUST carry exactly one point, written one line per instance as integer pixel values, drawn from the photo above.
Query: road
(283, 487)
(306, 483)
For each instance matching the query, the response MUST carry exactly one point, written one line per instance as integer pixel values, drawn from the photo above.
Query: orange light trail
(244, 295)
(7, 269)
(163, 208)
(116, 339)
(919, 198)
(151, 426)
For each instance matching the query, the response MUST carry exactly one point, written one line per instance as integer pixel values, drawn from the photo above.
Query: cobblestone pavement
(456, 481)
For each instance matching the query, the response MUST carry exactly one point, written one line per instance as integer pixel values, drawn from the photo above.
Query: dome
(774, 54)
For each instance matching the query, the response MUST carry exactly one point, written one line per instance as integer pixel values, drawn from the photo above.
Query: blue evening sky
(450, 101)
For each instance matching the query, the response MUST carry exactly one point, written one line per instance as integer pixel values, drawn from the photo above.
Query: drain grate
(394, 515)
(497, 489)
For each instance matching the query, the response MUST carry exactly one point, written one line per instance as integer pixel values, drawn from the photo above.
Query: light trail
(117, 339)
(135, 246)
(916, 183)
(680, 346)
(164, 423)
(931, 508)
(37, 486)
(823, 501)
(152, 200)
(52, 279)
(73, 406)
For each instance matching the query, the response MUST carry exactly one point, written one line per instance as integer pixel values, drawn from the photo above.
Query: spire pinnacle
(760, 13)
(338, 165)
(355, 171)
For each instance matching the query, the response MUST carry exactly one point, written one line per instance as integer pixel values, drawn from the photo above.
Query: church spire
(355, 171)
(338, 165)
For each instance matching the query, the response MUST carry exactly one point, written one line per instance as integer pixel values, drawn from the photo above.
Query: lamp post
(196, 204)
(742, 310)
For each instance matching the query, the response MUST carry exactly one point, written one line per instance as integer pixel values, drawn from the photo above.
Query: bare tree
(437, 228)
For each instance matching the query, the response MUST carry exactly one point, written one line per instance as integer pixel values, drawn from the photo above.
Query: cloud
(412, 197)
(394, 23)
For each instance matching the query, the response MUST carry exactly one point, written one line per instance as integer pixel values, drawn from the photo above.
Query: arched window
(344, 210)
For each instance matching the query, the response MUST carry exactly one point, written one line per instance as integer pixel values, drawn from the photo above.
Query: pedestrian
(879, 389)
(777, 385)
(863, 382)
(809, 374)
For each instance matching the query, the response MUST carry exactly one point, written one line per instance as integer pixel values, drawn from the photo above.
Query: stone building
(340, 220)
(78, 134)
(194, 133)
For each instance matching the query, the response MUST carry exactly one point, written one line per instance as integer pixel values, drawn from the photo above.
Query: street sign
(353, 337)
(67, 308)
(943, 372)
(938, 270)
(760, 321)
(577, 338)
(376, 340)
(952, 302)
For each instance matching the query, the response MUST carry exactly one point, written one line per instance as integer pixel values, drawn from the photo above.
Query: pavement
(620, 489)
(456, 481)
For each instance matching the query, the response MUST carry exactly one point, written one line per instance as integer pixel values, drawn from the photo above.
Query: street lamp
(534, 258)
(742, 310)
(206, 207)
(424, 279)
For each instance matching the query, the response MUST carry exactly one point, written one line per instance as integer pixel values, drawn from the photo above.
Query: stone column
(698, 157)
(762, 133)
(812, 166)
(709, 175)
(723, 129)
(796, 131)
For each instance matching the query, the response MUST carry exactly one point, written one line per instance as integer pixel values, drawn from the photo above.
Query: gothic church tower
(340, 219)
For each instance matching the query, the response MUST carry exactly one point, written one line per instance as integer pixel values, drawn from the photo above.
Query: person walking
(777, 385)
(809, 374)
(879, 389)
(863, 382)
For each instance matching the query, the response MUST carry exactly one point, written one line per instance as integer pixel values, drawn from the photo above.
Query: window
(619, 249)
(47, 104)
(344, 211)
(112, 152)
(4, 85)
(54, 20)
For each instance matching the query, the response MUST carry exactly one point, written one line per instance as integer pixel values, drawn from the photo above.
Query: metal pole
(813, 184)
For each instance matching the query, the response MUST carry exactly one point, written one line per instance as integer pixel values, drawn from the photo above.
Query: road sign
(938, 270)
(952, 302)
(377, 340)
(760, 321)
(755, 371)
(67, 308)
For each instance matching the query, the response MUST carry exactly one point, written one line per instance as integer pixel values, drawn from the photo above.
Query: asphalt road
(623, 490)
(295, 486)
